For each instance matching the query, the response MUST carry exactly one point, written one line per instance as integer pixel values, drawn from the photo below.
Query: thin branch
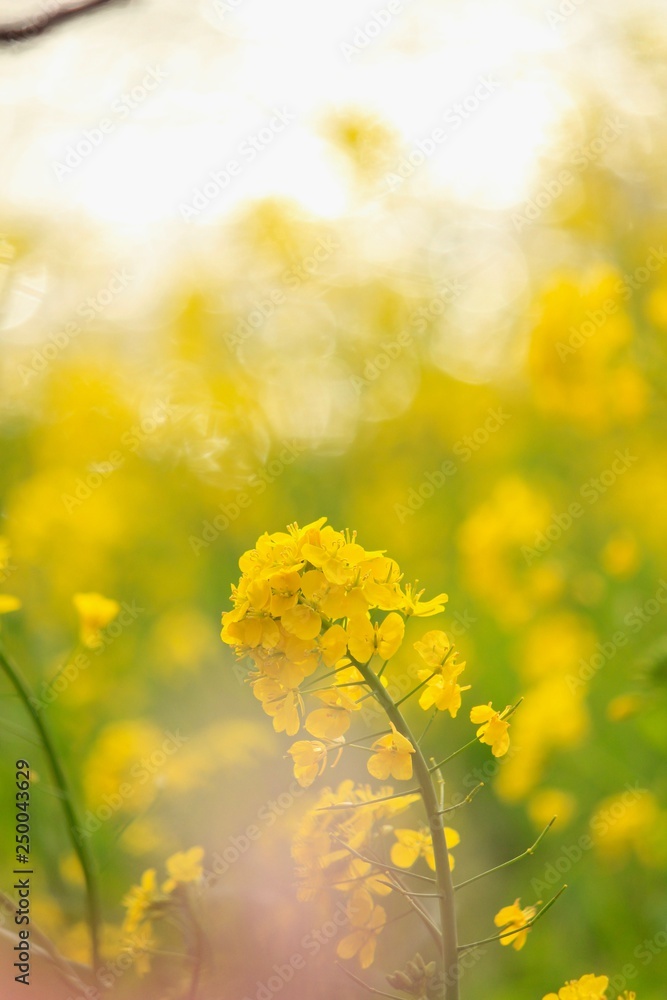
(506, 864)
(418, 688)
(380, 864)
(465, 746)
(369, 802)
(469, 797)
(21, 31)
(428, 726)
(406, 892)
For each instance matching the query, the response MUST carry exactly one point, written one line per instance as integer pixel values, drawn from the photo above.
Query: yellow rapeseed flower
(393, 756)
(493, 729)
(95, 613)
(413, 844)
(334, 719)
(183, 867)
(139, 901)
(364, 638)
(589, 987)
(363, 939)
(310, 759)
(514, 918)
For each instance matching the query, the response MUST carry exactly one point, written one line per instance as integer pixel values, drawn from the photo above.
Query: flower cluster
(337, 849)
(319, 618)
(150, 899)
(313, 597)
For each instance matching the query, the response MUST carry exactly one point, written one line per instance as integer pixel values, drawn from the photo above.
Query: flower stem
(506, 864)
(79, 846)
(444, 886)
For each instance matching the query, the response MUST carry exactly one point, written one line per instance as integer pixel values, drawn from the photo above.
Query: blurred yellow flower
(8, 603)
(433, 647)
(363, 940)
(393, 757)
(139, 901)
(514, 918)
(413, 844)
(282, 704)
(589, 987)
(549, 802)
(310, 759)
(95, 613)
(334, 720)
(184, 867)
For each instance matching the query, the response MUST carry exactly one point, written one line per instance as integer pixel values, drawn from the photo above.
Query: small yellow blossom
(414, 606)
(95, 613)
(589, 987)
(310, 759)
(334, 719)
(514, 918)
(434, 647)
(393, 757)
(279, 702)
(363, 940)
(332, 645)
(185, 866)
(442, 689)
(493, 729)
(413, 844)
(139, 901)
(365, 638)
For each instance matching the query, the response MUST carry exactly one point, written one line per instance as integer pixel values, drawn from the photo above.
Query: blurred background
(399, 264)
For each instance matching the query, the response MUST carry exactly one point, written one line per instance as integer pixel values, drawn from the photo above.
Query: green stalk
(444, 885)
(80, 846)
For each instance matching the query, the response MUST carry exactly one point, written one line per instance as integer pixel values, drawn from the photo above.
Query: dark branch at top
(43, 21)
